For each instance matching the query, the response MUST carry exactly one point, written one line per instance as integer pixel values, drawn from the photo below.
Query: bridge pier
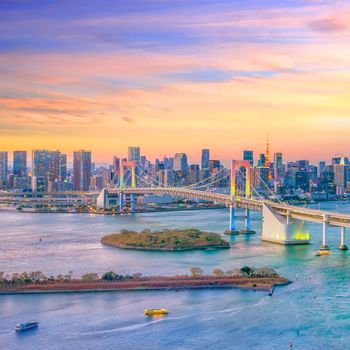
(325, 225)
(133, 202)
(247, 229)
(283, 229)
(121, 201)
(232, 230)
(343, 246)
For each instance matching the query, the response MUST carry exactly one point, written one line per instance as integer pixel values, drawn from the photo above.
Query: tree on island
(90, 277)
(111, 276)
(246, 271)
(218, 272)
(196, 271)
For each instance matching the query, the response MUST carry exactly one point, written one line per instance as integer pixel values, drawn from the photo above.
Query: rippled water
(313, 312)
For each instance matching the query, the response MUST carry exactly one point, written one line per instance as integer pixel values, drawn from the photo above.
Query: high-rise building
(193, 174)
(205, 158)
(321, 168)
(41, 163)
(262, 160)
(248, 155)
(278, 165)
(81, 170)
(55, 166)
(260, 178)
(180, 163)
(134, 155)
(339, 178)
(41, 169)
(303, 165)
(63, 167)
(214, 164)
(3, 167)
(340, 160)
(20, 163)
(116, 164)
(302, 180)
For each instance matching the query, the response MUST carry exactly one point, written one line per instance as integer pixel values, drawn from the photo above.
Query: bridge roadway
(301, 213)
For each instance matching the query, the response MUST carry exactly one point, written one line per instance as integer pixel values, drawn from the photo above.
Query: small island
(263, 279)
(168, 240)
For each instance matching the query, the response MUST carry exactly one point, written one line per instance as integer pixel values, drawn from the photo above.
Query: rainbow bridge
(281, 223)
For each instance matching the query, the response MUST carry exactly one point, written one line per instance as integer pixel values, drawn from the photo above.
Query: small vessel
(156, 312)
(323, 252)
(26, 325)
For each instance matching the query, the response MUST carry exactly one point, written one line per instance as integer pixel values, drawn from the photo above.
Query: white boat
(26, 325)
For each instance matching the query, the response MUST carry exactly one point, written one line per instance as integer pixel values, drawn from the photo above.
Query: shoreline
(149, 283)
(130, 247)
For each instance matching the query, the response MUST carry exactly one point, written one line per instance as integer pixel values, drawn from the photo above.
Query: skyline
(193, 160)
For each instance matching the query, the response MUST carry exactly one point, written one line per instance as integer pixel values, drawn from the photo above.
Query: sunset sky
(176, 76)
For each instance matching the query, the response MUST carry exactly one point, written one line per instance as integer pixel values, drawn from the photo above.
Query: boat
(26, 325)
(322, 252)
(156, 312)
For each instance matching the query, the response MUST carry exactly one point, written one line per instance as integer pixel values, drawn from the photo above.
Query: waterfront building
(3, 168)
(55, 166)
(205, 158)
(97, 182)
(20, 163)
(63, 167)
(41, 168)
(39, 183)
(248, 155)
(21, 183)
(81, 170)
(339, 178)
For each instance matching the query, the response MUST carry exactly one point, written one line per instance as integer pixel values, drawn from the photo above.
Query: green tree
(109, 276)
(246, 271)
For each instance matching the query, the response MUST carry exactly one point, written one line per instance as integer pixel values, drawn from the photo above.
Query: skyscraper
(321, 168)
(55, 166)
(180, 163)
(339, 178)
(41, 168)
(248, 155)
(3, 167)
(262, 160)
(116, 164)
(134, 155)
(20, 163)
(205, 158)
(81, 170)
(278, 165)
(63, 167)
(41, 163)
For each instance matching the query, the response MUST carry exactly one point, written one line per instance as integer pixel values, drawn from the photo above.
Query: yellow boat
(322, 252)
(156, 312)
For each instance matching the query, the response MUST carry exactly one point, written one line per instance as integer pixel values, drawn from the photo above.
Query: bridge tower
(237, 165)
(124, 165)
